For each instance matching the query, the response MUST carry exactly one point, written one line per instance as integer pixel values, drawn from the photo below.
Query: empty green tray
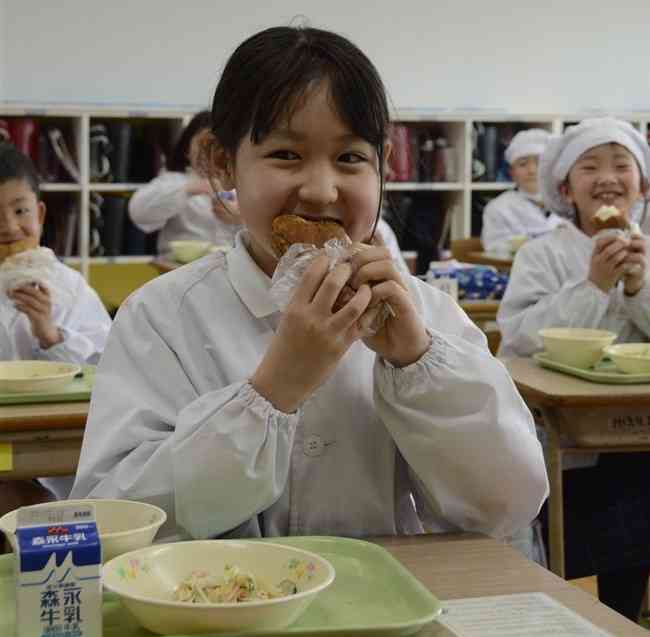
(78, 389)
(373, 594)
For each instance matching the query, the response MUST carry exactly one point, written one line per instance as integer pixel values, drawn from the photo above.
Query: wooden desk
(484, 314)
(481, 311)
(490, 258)
(45, 438)
(562, 399)
(459, 566)
(462, 566)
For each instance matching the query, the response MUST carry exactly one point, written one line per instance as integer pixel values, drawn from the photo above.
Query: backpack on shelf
(100, 149)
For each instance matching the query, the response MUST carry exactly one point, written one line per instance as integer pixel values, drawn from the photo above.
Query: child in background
(571, 279)
(33, 324)
(519, 212)
(240, 419)
(181, 204)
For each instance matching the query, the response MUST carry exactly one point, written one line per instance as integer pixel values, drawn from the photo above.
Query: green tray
(373, 594)
(605, 371)
(78, 389)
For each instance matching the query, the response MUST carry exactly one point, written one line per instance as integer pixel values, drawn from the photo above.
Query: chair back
(460, 248)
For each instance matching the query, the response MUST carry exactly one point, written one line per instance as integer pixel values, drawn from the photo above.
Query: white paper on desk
(521, 615)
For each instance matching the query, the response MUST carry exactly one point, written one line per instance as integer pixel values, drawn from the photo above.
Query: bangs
(351, 99)
(268, 77)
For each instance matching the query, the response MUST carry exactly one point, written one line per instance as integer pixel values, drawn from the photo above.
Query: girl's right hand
(608, 262)
(311, 337)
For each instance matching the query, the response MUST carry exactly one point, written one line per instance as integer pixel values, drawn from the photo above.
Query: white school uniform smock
(513, 214)
(164, 205)
(175, 421)
(84, 322)
(549, 287)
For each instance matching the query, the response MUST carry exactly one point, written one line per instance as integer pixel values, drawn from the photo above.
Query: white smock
(84, 323)
(513, 214)
(164, 205)
(445, 443)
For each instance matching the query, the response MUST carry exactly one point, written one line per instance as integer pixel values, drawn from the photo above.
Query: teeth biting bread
(289, 229)
(16, 247)
(610, 217)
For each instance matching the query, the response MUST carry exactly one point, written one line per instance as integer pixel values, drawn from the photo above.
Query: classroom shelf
(457, 128)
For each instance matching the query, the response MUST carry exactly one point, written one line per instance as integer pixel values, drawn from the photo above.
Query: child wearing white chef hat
(520, 212)
(579, 276)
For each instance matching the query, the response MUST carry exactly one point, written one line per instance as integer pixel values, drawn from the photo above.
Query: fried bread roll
(9, 249)
(610, 217)
(290, 229)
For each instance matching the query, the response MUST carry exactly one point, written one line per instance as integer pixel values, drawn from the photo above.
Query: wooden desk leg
(555, 500)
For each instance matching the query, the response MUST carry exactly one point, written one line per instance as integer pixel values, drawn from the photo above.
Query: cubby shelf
(456, 126)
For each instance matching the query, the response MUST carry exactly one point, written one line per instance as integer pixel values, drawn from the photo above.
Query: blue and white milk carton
(443, 275)
(58, 572)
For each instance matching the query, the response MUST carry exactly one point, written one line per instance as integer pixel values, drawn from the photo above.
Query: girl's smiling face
(311, 165)
(606, 175)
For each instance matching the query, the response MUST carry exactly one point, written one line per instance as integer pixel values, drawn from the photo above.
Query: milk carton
(58, 570)
(443, 276)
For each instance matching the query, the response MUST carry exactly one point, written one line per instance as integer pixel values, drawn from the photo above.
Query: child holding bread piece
(47, 310)
(245, 419)
(591, 272)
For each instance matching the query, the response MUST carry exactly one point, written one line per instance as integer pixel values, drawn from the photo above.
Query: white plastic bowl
(630, 358)
(576, 346)
(186, 251)
(145, 580)
(35, 376)
(123, 525)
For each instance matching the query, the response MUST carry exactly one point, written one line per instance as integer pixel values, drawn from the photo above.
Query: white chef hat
(563, 151)
(525, 143)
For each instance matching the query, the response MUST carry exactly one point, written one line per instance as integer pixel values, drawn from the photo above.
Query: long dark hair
(267, 75)
(179, 160)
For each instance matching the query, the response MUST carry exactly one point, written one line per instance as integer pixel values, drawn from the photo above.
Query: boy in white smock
(35, 323)
(520, 212)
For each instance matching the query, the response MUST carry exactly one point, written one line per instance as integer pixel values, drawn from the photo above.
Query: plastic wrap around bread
(287, 230)
(35, 266)
(297, 241)
(610, 218)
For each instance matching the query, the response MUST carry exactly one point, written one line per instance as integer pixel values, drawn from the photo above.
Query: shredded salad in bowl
(234, 586)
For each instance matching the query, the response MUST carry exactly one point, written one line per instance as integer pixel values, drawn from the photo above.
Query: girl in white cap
(519, 212)
(572, 278)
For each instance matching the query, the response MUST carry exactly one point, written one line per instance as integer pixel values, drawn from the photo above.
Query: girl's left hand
(636, 261)
(403, 339)
(34, 301)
